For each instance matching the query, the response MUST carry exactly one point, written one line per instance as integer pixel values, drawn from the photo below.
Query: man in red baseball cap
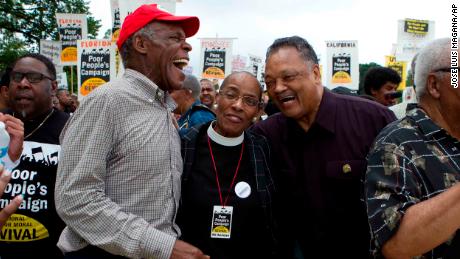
(118, 189)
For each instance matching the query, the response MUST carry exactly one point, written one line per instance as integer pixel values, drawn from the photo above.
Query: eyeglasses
(32, 77)
(233, 96)
(445, 69)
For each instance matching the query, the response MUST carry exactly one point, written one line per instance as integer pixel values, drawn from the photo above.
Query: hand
(15, 127)
(6, 212)
(182, 250)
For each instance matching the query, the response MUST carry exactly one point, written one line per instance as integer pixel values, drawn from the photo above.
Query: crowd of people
(159, 164)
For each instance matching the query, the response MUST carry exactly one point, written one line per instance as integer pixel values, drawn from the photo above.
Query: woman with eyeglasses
(227, 188)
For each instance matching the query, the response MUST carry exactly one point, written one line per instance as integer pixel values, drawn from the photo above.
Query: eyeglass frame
(444, 69)
(26, 75)
(224, 93)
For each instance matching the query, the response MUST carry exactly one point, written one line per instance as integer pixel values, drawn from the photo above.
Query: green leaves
(24, 22)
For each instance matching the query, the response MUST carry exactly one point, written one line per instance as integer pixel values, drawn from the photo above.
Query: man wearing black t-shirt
(33, 231)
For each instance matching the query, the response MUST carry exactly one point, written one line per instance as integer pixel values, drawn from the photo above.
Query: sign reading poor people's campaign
(96, 64)
(214, 63)
(71, 27)
(342, 64)
(216, 57)
(341, 72)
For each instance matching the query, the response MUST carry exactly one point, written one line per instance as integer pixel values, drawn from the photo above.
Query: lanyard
(217, 176)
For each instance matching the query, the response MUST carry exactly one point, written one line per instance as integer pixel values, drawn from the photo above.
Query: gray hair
(192, 83)
(127, 47)
(430, 58)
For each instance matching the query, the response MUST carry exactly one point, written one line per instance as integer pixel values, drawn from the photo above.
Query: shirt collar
(152, 90)
(425, 123)
(224, 141)
(325, 117)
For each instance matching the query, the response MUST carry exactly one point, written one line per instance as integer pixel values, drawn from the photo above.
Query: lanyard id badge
(221, 226)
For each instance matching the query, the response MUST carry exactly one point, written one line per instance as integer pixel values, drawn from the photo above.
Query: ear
(373, 92)
(316, 72)
(53, 87)
(4, 92)
(140, 44)
(432, 86)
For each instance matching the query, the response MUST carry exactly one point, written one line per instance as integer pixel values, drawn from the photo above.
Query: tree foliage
(10, 49)
(28, 21)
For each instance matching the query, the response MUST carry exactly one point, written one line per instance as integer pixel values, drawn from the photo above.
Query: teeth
(287, 98)
(180, 63)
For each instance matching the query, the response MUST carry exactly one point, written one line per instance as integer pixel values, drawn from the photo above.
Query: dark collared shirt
(413, 160)
(320, 174)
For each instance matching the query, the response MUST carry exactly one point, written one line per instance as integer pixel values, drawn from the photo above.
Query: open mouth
(287, 98)
(180, 63)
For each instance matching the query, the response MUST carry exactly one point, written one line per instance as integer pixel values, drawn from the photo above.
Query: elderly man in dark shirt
(320, 142)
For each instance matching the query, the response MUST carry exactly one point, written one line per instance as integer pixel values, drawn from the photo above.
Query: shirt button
(150, 100)
(160, 95)
(346, 168)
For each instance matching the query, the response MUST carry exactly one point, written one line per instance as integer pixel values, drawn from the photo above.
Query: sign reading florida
(96, 64)
(71, 27)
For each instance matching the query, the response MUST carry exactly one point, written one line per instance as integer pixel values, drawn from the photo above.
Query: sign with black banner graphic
(342, 64)
(216, 57)
(96, 64)
(416, 26)
(71, 27)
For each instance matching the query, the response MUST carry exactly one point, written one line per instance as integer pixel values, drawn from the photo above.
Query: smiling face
(31, 99)
(293, 83)
(381, 94)
(208, 93)
(234, 116)
(166, 54)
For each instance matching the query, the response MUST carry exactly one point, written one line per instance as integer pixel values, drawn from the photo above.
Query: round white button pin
(242, 190)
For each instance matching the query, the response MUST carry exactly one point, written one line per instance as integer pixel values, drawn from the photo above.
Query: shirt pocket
(346, 169)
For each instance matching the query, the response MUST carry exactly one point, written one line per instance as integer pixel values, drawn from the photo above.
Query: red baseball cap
(147, 13)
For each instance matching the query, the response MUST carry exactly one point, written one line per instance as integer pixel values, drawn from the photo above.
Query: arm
(402, 224)
(81, 199)
(15, 128)
(80, 194)
(426, 225)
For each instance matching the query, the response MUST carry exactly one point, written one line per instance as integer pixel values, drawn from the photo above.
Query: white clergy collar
(224, 141)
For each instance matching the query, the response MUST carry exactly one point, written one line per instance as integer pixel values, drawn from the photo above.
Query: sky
(257, 23)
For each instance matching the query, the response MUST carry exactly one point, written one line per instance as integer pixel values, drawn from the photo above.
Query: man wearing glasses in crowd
(32, 84)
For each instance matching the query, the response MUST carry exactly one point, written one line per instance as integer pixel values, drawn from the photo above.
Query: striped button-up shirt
(118, 182)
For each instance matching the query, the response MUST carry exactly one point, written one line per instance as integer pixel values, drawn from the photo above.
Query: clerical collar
(224, 141)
